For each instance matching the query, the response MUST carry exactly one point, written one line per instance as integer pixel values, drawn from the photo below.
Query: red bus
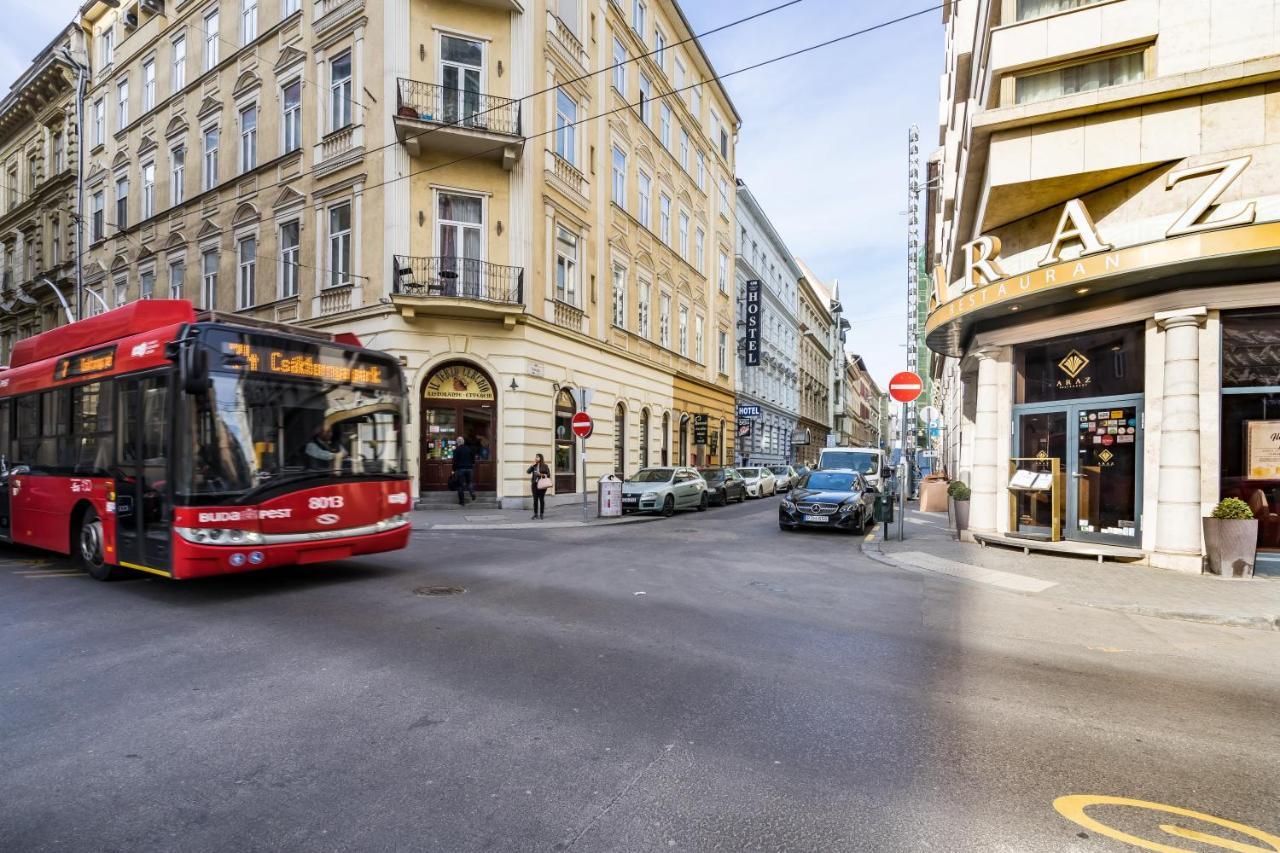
(153, 439)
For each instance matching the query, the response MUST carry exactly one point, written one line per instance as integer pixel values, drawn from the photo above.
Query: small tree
(1232, 509)
(959, 491)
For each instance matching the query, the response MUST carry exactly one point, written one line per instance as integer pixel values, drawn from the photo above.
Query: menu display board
(1262, 438)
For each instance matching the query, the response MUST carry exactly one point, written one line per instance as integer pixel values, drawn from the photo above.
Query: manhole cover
(440, 590)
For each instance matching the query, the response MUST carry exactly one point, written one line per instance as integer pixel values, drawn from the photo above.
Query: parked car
(785, 475)
(760, 482)
(724, 485)
(839, 499)
(664, 490)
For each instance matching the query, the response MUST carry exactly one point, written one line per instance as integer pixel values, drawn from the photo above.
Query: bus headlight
(219, 536)
(392, 523)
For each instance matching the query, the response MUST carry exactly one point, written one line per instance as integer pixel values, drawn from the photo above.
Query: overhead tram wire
(629, 105)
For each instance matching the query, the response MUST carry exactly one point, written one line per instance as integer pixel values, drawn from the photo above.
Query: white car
(760, 482)
(785, 475)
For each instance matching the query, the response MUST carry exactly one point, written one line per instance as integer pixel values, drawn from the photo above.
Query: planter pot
(1231, 545)
(960, 511)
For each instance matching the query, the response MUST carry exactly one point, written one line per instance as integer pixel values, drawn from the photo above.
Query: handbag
(544, 483)
(453, 482)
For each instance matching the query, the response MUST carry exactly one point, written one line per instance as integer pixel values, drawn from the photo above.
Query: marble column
(985, 465)
(1178, 502)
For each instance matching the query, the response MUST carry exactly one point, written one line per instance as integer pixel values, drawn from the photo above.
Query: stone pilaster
(1178, 503)
(985, 465)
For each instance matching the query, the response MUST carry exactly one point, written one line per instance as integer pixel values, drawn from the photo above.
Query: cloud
(40, 22)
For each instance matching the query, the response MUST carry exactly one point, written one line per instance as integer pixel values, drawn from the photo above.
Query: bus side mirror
(194, 366)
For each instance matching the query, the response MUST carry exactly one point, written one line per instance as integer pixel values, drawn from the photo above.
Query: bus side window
(28, 430)
(91, 427)
(4, 433)
(54, 423)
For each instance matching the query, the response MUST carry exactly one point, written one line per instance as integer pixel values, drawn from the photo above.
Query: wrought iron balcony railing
(461, 108)
(459, 278)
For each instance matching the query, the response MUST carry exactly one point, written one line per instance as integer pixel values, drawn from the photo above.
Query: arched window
(644, 438)
(666, 439)
(566, 460)
(684, 440)
(722, 455)
(620, 440)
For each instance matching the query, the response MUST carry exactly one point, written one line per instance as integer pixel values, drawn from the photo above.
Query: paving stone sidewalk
(1125, 587)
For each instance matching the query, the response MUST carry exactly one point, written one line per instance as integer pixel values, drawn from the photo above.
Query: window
(339, 262)
(122, 203)
(684, 149)
(683, 339)
(644, 438)
(666, 437)
(724, 142)
(684, 235)
(247, 272)
(646, 95)
(210, 158)
(620, 297)
(664, 321)
(148, 85)
(637, 17)
(122, 104)
(702, 171)
(724, 198)
(677, 75)
(248, 20)
(178, 74)
(292, 100)
(55, 247)
(619, 177)
(644, 187)
(289, 255)
(99, 122)
(108, 46)
(59, 152)
(715, 127)
(12, 181)
(290, 6)
(462, 73)
(1082, 77)
(566, 266)
(248, 138)
(698, 341)
(664, 130)
(33, 173)
(177, 270)
(620, 440)
(722, 351)
(619, 67)
(210, 39)
(177, 169)
(695, 102)
(660, 54)
(97, 224)
(340, 92)
(664, 218)
(1028, 9)
(699, 245)
(146, 284)
(566, 130)
(722, 272)
(209, 280)
(642, 309)
(122, 291)
(148, 190)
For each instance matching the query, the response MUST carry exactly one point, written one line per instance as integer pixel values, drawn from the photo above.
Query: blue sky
(823, 143)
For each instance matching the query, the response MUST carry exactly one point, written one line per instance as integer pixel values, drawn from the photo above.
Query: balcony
(566, 40)
(457, 122)
(457, 287)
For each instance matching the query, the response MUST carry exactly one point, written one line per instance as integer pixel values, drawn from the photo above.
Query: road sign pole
(583, 454)
(904, 474)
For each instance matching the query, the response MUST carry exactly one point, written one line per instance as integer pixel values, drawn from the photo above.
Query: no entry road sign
(582, 425)
(905, 386)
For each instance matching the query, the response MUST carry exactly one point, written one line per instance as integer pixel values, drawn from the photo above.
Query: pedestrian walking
(540, 482)
(464, 468)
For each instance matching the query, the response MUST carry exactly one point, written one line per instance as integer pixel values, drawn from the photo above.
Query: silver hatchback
(664, 490)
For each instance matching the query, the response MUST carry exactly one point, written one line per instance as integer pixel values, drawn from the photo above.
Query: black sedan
(724, 485)
(841, 500)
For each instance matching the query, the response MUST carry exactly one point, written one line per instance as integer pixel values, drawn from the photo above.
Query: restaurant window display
(1078, 399)
(1250, 461)
(566, 455)
(458, 401)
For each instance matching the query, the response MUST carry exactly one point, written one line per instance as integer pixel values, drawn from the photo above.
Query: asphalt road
(700, 683)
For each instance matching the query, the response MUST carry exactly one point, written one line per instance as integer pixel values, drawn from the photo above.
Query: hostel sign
(754, 320)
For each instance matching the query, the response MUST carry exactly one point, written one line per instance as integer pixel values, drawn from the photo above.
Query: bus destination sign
(86, 363)
(278, 361)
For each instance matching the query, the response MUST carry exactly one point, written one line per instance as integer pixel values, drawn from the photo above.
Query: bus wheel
(88, 552)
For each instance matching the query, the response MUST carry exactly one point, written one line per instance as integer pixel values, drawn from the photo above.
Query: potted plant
(959, 492)
(1231, 539)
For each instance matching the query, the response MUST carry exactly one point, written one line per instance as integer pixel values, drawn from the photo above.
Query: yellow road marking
(1072, 808)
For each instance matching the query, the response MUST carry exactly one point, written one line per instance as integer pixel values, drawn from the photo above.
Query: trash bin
(882, 510)
(609, 497)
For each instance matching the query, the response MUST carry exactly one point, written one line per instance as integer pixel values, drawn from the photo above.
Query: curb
(537, 525)
(871, 548)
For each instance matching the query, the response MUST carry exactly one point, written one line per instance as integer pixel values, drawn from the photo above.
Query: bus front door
(143, 514)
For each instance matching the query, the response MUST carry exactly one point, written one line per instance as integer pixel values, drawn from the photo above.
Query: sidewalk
(1124, 587)
(465, 518)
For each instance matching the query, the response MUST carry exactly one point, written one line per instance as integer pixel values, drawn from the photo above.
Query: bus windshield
(279, 409)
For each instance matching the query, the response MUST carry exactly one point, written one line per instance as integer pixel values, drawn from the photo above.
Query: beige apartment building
(1105, 235)
(38, 150)
(466, 184)
(817, 355)
(860, 426)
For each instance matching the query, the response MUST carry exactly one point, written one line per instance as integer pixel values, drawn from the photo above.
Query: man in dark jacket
(464, 467)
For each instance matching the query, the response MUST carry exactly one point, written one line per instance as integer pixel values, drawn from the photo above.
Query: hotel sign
(1196, 232)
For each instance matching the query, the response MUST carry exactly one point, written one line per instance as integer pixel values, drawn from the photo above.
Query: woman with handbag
(540, 481)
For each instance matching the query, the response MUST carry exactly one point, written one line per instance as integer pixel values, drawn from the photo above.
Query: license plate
(821, 518)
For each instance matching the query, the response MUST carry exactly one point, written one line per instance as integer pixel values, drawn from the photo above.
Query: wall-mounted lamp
(514, 386)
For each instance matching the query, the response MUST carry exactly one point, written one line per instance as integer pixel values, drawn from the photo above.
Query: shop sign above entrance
(458, 382)
(747, 410)
(582, 425)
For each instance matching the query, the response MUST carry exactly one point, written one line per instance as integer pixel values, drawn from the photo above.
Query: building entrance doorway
(1098, 444)
(458, 401)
